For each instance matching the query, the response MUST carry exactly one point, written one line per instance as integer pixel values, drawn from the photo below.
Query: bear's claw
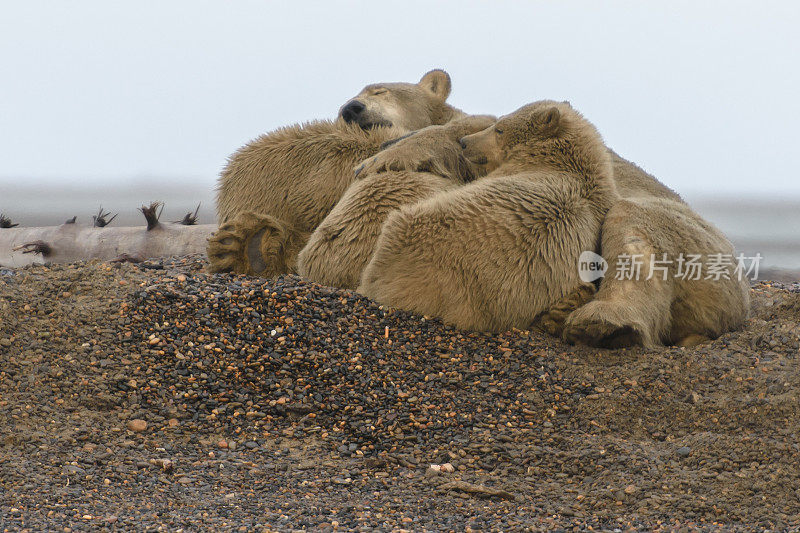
(552, 321)
(393, 161)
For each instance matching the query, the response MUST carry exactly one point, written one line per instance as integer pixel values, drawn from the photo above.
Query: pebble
(442, 468)
(683, 451)
(137, 425)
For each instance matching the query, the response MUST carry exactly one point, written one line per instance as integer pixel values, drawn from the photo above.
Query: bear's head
(406, 106)
(545, 132)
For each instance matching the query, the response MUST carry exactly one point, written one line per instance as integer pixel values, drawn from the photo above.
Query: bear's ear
(548, 121)
(438, 82)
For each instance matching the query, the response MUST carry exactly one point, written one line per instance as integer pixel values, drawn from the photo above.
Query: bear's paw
(251, 244)
(552, 321)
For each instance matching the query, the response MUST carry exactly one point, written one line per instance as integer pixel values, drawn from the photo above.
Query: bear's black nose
(463, 144)
(352, 110)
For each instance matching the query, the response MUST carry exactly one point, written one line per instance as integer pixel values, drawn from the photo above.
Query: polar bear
(650, 224)
(276, 189)
(495, 253)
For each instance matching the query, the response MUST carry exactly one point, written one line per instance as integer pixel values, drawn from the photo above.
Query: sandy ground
(158, 396)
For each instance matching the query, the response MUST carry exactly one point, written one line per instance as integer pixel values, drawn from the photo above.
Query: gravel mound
(156, 395)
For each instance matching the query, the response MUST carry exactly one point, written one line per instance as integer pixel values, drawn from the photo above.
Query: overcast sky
(703, 94)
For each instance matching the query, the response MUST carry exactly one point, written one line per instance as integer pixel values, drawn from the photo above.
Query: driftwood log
(72, 242)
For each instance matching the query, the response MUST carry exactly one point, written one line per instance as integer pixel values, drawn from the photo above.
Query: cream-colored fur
(276, 190)
(633, 182)
(341, 246)
(667, 308)
(651, 218)
(497, 252)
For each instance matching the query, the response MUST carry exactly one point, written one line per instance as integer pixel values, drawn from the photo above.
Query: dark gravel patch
(156, 395)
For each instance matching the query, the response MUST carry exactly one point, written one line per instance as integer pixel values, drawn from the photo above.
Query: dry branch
(100, 218)
(189, 219)
(479, 490)
(5, 222)
(152, 213)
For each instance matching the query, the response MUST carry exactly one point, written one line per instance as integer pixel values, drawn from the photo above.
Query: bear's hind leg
(256, 245)
(624, 313)
(669, 299)
(629, 309)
